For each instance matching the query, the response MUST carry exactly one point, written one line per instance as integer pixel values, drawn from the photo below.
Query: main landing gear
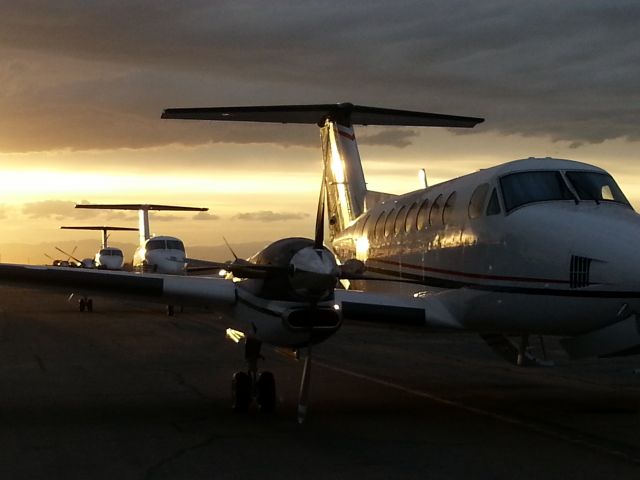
(85, 303)
(249, 386)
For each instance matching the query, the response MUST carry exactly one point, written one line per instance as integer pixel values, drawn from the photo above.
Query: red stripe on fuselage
(348, 135)
(469, 275)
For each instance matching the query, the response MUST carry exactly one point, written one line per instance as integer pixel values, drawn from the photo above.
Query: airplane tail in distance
(143, 213)
(344, 179)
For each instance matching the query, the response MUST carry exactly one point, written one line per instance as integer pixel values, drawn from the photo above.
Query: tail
(143, 213)
(343, 176)
(344, 180)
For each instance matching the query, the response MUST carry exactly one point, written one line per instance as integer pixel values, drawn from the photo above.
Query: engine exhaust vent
(579, 271)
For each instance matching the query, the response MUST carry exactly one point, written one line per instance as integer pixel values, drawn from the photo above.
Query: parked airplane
(109, 258)
(158, 254)
(537, 246)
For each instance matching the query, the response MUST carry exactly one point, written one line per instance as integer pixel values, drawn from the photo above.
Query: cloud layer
(269, 216)
(96, 75)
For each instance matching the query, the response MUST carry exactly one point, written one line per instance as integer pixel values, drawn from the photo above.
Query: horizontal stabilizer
(344, 113)
(140, 206)
(101, 228)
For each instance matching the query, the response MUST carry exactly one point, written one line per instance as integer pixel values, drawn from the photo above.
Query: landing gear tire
(89, 305)
(170, 310)
(266, 392)
(82, 304)
(240, 392)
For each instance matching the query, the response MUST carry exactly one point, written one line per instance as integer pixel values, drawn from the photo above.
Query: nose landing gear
(250, 386)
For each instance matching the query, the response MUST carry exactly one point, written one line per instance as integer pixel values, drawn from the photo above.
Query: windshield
(155, 245)
(175, 245)
(528, 187)
(596, 186)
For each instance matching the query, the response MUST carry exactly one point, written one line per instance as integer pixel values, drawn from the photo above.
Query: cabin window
(423, 215)
(410, 221)
(434, 213)
(493, 207)
(596, 186)
(478, 197)
(380, 226)
(400, 220)
(365, 224)
(447, 211)
(529, 187)
(388, 225)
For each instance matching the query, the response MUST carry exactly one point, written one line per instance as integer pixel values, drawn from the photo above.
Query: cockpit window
(155, 245)
(111, 252)
(528, 187)
(596, 186)
(493, 207)
(478, 198)
(175, 245)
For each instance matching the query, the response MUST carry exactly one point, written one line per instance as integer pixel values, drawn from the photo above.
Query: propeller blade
(231, 249)
(70, 255)
(303, 400)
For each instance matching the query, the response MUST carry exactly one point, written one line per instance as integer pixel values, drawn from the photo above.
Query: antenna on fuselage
(143, 213)
(105, 229)
(422, 175)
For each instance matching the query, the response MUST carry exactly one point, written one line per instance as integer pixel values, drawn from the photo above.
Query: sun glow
(23, 185)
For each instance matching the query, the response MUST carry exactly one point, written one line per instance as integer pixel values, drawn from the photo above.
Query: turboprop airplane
(537, 246)
(109, 258)
(158, 254)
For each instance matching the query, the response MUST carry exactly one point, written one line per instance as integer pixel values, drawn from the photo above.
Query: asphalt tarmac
(126, 392)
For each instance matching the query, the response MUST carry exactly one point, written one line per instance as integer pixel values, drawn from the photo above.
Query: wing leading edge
(152, 287)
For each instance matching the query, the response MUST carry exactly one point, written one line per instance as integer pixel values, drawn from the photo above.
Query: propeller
(331, 274)
(70, 255)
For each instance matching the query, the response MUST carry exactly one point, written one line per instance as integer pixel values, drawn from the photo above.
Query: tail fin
(143, 213)
(343, 175)
(104, 228)
(344, 179)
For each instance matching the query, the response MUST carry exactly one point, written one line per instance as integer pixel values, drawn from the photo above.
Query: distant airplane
(109, 258)
(158, 254)
(531, 247)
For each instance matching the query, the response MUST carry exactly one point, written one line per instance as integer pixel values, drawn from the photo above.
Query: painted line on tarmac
(489, 414)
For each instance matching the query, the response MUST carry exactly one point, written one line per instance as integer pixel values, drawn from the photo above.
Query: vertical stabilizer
(143, 225)
(344, 179)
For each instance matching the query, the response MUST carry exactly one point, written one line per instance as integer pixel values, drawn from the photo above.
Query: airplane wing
(152, 287)
(428, 311)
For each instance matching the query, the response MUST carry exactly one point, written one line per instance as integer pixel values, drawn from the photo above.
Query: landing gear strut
(249, 386)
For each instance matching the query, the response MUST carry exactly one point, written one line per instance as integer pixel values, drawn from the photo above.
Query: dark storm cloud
(97, 74)
(390, 137)
(269, 216)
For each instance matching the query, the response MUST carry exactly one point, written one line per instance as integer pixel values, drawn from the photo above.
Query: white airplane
(537, 246)
(157, 254)
(109, 258)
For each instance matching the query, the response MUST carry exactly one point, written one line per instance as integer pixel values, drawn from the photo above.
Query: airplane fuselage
(504, 259)
(161, 254)
(109, 258)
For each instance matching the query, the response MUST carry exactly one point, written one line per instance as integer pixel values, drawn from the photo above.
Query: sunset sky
(83, 84)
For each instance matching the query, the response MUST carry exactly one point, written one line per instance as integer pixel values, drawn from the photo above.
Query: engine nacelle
(305, 273)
